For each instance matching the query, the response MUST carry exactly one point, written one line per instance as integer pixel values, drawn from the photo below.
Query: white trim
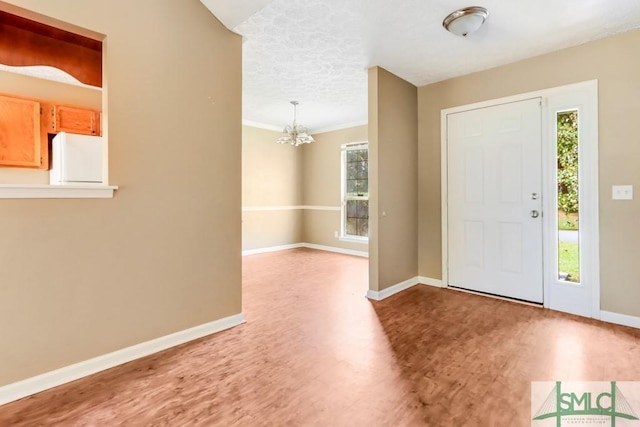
(337, 250)
(260, 125)
(353, 239)
(392, 290)
(51, 379)
(590, 199)
(305, 245)
(289, 208)
(582, 299)
(591, 204)
(272, 249)
(312, 131)
(321, 208)
(339, 127)
(355, 145)
(444, 195)
(620, 319)
(270, 208)
(42, 191)
(344, 199)
(430, 282)
(544, 93)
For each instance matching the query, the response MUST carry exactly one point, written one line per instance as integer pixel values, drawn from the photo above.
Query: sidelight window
(568, 201)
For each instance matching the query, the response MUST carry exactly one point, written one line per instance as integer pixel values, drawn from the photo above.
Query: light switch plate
(622, 192)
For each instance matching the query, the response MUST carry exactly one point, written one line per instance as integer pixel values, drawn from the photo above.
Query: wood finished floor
(316, 352)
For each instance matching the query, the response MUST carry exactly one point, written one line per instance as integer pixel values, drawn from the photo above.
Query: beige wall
(276, 175)
(270, 171)
(321, 164)
(29, 87)
(271, 177)
(266, 229)
(614, 62)
(81, 278)
(393, 179)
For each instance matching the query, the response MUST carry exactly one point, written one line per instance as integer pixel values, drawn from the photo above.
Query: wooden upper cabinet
(27, 126)
(75, 120)
(20, 137)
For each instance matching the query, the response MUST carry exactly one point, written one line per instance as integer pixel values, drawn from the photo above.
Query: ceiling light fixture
(465, 21)
(295, 134)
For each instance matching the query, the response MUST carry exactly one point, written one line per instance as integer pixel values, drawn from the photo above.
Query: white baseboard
(430, 282)
(418, 280)
(51, 379)
(272, 249)
(620, 319)
(392, 290)
(305, 245)
(334, 249)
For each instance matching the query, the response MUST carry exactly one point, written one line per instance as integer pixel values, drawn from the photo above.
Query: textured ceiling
(317, 52)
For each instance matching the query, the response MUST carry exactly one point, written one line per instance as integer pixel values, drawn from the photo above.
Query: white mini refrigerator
(76, 159)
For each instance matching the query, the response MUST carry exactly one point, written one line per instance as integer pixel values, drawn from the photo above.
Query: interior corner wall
(614, 62)
(82, 278)
(271, 190)
(393, 179)
(321, 171)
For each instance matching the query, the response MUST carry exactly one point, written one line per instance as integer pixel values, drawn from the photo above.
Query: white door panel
(494, 168)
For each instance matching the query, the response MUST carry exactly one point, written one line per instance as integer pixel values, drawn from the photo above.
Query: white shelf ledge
(71, 191)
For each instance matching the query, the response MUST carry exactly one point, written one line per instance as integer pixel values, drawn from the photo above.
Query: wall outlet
(335, 234)
(622, 192)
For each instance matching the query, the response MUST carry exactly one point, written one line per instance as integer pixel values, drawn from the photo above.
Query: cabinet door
(19, 132)
(76, 120)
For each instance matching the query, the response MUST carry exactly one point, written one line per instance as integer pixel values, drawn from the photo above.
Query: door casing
(585, 95)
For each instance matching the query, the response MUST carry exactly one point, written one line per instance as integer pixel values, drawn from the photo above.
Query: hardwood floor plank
(316, 352)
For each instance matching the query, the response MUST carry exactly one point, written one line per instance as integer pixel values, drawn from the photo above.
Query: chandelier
(295, 134)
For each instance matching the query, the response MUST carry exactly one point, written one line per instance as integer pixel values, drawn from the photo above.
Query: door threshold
(494, 296)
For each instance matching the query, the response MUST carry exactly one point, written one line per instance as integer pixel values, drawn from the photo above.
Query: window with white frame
(355, 191)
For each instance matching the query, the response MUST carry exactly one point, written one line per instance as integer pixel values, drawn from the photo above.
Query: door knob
(535, 214)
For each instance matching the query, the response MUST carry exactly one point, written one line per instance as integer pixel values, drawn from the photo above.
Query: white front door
(494, 216)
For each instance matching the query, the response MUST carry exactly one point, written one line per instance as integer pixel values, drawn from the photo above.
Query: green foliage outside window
(358, 173)
(568, 161)
(357, 192)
